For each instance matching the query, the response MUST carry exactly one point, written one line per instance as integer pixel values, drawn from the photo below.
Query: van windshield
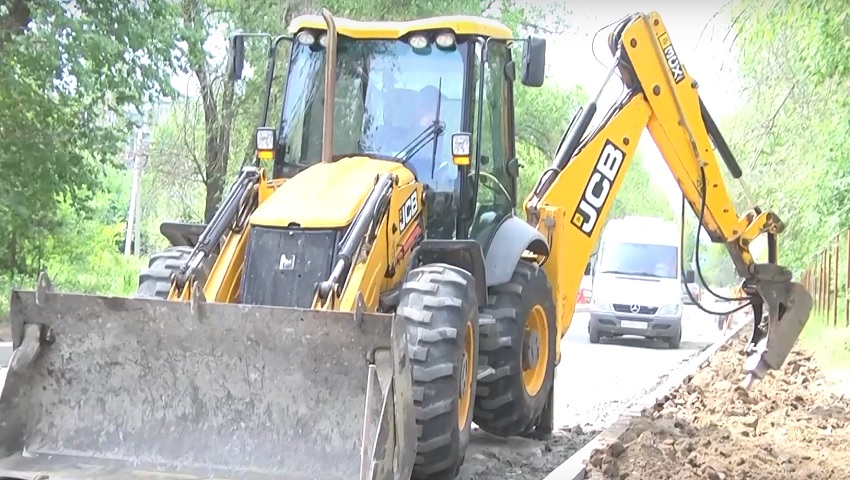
(660, 261)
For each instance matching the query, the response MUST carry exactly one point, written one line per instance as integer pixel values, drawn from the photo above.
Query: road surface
(594, 384)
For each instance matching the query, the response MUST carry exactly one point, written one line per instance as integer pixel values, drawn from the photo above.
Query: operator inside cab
(385, 101)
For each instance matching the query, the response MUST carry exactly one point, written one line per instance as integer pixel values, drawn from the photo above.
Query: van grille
(643, 310)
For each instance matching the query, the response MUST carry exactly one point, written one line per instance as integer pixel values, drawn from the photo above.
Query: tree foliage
(792, 134)
(70, 75)
(639, 195)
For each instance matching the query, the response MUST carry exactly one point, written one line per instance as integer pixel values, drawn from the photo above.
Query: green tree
(70, 74)
(793, 131)
(639, 195)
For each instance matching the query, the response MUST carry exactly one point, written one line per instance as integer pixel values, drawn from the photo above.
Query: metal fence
(826, 279)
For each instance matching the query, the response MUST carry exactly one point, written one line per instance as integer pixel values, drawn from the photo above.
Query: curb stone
(574, 468)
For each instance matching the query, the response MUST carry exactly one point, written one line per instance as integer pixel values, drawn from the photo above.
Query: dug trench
(791, 425)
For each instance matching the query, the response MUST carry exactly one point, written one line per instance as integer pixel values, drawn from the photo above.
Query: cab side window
(496, 187)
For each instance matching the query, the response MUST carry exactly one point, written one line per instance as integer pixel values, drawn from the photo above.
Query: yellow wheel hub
(467, 376)
(535, 350)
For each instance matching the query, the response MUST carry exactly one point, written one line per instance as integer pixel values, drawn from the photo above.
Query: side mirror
(587, 268)
(533, 61)
(689, 276)
(235, 56)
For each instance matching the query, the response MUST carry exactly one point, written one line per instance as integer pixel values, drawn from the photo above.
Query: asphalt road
(595, 382)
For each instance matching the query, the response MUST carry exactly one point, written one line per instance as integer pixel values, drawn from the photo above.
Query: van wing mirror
(235, 56)
(533, 61)
(587, 268)
(689, 276)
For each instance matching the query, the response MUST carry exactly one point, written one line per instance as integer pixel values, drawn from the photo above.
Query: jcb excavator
(367, 290)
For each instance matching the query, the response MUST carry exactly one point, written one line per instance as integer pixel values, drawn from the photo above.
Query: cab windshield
(386, 96)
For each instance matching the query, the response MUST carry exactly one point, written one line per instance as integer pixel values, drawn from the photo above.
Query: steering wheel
(491, 177)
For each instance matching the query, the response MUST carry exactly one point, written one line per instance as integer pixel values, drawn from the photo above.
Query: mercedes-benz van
(637, 281)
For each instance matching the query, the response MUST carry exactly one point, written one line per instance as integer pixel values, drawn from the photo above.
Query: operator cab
(403, 91)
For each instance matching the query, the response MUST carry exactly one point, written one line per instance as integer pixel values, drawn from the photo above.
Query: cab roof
(460, 24)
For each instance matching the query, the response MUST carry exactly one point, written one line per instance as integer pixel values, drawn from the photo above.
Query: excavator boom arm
(573, 197)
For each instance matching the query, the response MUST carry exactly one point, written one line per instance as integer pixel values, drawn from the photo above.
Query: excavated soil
(791, 425)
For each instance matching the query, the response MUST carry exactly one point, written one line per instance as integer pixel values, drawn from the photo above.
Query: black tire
(155, 280)
(504, 406)
(593, 334)
(674, 342)
(440, 311)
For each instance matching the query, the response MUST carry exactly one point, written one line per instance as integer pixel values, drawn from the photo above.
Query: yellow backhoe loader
(367, 290)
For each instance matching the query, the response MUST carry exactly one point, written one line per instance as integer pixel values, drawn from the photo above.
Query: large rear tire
(440, 312)
(520, 347)
(155, 280)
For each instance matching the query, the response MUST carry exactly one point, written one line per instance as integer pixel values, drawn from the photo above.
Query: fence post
(835, 278)
(847, 285)
(820, 283)
(821, 297)
(828, 283)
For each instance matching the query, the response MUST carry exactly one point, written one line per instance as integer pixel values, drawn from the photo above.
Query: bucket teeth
(789, 306)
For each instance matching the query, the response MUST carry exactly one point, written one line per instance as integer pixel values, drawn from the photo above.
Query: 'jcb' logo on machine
(598, 188)
(676, 68)
(408, 211)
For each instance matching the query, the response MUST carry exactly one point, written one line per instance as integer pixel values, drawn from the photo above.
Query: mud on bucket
(108, 387)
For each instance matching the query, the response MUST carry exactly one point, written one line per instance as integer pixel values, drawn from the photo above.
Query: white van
(637, 281)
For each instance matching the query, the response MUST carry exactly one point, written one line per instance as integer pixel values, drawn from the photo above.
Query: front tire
(520, 347)
(593, 334)
(440, 311)
(676, 341)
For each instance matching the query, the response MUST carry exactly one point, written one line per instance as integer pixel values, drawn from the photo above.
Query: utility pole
(139, 157)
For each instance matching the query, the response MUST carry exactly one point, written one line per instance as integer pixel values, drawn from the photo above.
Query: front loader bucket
(108, 387)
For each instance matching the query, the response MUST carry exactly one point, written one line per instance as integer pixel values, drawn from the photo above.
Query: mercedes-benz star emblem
(634, 308)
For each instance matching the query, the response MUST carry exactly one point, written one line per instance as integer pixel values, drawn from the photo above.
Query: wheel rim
(535, 350)
(466, 379)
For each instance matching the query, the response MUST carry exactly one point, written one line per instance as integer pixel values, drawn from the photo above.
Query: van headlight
(672, 309)
(601, 305)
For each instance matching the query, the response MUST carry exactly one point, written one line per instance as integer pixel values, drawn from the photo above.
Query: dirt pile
(791, 425)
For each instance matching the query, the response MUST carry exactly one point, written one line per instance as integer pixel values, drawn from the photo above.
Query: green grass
(830, 345)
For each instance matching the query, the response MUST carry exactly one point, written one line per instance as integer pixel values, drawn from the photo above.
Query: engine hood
(325, 195)
(627, 289)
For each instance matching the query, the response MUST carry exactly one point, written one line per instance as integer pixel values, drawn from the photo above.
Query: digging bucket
(111, 387)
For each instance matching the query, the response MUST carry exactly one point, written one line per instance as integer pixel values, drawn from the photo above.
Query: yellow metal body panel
(569, 246)
(460, 24)
(382, 266)
(325, 195)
